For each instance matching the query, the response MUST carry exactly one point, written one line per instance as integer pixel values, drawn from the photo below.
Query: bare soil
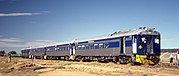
(27, 67)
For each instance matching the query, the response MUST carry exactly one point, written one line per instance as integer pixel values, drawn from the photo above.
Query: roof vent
(144, 27)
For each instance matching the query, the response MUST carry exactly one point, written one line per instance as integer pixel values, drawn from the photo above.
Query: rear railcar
(25, 53)
(38, 53)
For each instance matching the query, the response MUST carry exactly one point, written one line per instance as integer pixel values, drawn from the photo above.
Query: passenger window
(65, 48)
(55, 49)
(106, 45)
(101, 45)
(48, 49)
(96, 46)
(87, 46)
(68, 48)
(91, 46)
(59, 49)
(62, 48)
(83, 47)
(143, 39)
(157, 41)
(79, 47)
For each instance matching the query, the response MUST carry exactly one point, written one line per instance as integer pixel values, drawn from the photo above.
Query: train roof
(141, 30)
(50, 45)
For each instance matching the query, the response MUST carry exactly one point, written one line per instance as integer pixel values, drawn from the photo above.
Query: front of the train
(148, 46)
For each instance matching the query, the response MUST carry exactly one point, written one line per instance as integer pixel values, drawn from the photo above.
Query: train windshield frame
(147, 39)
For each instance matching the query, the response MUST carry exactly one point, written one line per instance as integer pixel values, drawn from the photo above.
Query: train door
(134, 44)
(149, 44)
(122, 45)
(72, 51)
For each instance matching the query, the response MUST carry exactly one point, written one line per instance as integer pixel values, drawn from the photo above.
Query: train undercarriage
(121, 59)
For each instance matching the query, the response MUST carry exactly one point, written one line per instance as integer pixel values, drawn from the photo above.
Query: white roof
(141, 30)
(60, 43)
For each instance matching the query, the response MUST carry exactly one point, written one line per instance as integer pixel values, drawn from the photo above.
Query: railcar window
(83, 47)
(96, 46)
(87, 46)
(55, 49)
(101, 45)
(68, 48)
(91, 46)
(143, 39)
(79, 47)
(58, 49)
(106, 45)
(40, 50)
(62, 48)
(134, 39)
(157, 40)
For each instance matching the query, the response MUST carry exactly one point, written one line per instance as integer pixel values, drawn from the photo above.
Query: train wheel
(78, 58)
(115, 59)
(66, 57)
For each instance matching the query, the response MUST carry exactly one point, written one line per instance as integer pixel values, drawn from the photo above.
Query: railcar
(25, 53)
(138, 46)
(60, 51)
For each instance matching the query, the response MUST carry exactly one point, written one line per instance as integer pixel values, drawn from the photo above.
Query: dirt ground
(27, 67)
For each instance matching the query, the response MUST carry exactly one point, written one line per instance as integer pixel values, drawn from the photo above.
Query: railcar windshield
(149, 44)
(147, 39)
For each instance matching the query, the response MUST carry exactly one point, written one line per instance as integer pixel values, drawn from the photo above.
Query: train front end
(148, 47)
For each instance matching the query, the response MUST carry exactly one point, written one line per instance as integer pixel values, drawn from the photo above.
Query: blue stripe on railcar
(83, 42)
(113, 44)
(106, 39)
(127, 36)
(63, 45)
(128, 43)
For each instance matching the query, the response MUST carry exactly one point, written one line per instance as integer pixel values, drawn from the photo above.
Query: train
(141, 45)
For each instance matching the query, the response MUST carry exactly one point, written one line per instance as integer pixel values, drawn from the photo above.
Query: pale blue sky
(37, 22)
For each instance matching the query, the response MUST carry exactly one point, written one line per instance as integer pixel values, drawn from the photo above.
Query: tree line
(2, 53)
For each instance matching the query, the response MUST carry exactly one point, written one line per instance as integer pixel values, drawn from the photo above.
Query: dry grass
(25, 67)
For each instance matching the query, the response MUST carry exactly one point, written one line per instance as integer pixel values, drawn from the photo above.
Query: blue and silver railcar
(140, 45)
